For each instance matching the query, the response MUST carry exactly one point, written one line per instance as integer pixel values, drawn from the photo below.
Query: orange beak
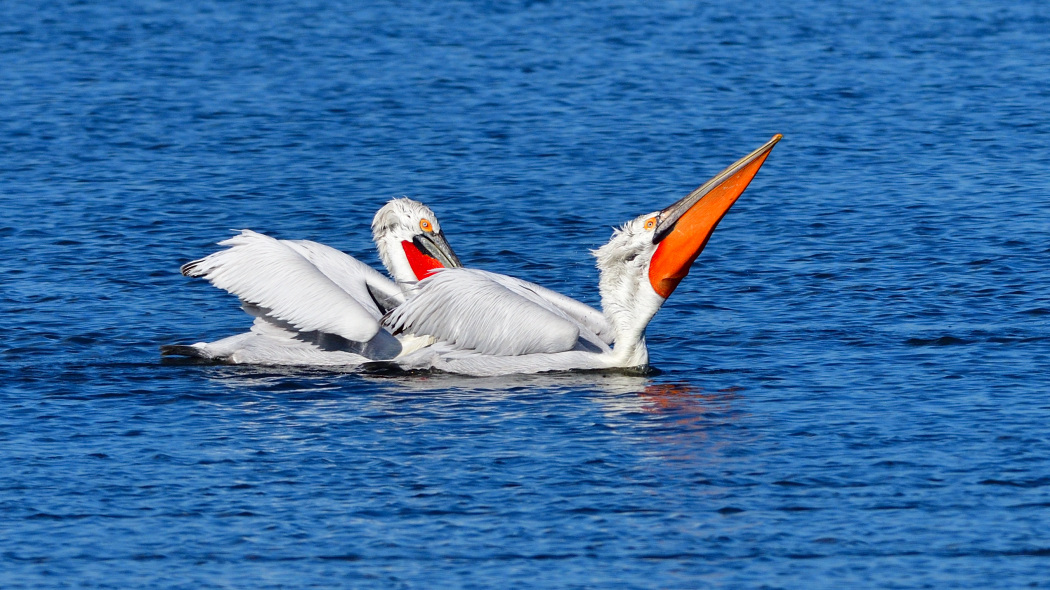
(683, 229)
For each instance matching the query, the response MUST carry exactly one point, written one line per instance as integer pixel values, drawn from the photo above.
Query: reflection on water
(672, 420)
(683, 422)
(685, 399)
(684, 403)
(311, 379)
(678, 406)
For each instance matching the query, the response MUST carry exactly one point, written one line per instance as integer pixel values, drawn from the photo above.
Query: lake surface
(853, 385)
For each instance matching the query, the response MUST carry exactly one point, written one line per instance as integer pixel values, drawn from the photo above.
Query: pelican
(315, 305)
(486, 324)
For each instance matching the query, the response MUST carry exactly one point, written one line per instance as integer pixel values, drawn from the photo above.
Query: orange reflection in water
(686, 398)
(689, 419)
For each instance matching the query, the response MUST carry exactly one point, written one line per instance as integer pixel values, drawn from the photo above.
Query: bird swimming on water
(315, 305)
(488, 324)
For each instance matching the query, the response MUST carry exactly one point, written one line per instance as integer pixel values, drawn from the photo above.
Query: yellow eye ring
(425, 225)
(650, 224)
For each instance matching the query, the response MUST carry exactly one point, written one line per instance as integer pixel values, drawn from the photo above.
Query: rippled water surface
(852, 386)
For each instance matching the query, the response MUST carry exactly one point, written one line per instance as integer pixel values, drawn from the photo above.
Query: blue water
(853, 386)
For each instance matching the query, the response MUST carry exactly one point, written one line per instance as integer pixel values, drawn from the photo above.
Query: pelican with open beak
(488, 324)
(682, 230)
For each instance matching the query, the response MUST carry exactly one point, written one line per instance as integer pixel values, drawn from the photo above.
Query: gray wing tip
(393, 321)
(384, 303)
(181, 350)
(192, 269)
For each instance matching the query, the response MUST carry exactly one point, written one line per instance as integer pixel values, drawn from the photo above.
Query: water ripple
(848, 389)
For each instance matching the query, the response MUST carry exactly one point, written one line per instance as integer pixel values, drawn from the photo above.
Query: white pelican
(315, 305)
(487, 324)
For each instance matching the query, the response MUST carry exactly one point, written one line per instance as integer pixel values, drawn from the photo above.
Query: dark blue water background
(854, 386)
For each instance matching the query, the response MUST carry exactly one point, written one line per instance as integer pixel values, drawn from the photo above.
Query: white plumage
(315, 305)
(276, 276)
(472, 309)
(489, 324)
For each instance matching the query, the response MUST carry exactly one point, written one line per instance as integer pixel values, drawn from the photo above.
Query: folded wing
(578, 311)
(475, 310)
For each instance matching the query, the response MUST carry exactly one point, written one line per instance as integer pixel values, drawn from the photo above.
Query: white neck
(629, 303)
(392, 254)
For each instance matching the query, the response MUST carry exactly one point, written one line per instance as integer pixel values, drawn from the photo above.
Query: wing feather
(350, 274)
(586, 315)
(470, 310)
(277, 276)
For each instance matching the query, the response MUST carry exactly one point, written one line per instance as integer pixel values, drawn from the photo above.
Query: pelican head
(648, 257)
(410, 242)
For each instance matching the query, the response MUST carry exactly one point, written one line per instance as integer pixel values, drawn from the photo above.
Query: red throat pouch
(421, 264)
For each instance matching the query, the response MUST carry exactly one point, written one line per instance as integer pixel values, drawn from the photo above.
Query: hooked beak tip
(437, 247)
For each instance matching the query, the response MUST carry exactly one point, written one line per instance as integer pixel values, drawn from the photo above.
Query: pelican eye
(650, 224)
(425, 225)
